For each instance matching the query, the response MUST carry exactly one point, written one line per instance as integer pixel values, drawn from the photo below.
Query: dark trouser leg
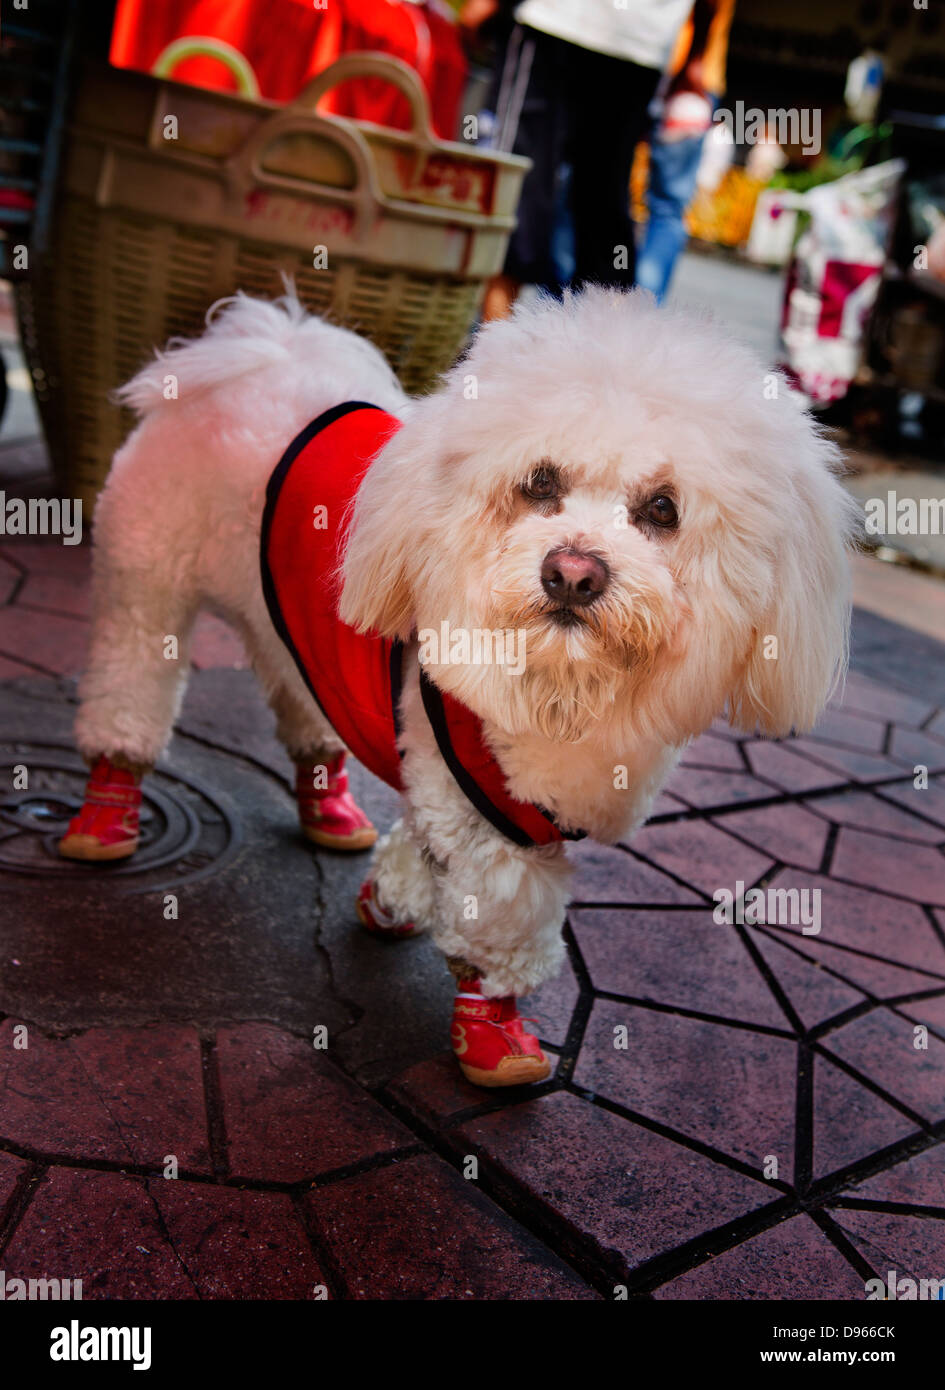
(609, 100)
(542, 126)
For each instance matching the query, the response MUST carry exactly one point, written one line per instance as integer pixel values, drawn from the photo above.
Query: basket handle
(393, 70)
(200, 46)
(244, 169)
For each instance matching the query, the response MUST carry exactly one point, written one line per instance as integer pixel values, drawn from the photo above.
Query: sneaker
(107, 827)
(329, 815)
(375, 919)
(491, 1043)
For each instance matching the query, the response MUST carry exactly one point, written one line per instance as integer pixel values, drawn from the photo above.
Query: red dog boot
(490, 1041)
(330, 815)
(375, 919)
(107, 825)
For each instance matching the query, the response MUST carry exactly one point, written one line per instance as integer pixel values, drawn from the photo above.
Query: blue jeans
(673, 168)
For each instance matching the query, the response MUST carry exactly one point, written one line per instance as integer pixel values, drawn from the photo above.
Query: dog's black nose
(572, 578)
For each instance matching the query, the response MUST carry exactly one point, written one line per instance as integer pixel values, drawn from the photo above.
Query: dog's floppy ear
(381, 548)
(799, 650)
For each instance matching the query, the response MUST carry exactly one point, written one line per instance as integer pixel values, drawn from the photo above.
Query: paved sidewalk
(738, 1111)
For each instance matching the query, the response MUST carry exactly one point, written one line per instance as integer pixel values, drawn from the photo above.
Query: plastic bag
(834, 277)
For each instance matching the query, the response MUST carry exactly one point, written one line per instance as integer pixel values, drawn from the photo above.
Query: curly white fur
(623, 399)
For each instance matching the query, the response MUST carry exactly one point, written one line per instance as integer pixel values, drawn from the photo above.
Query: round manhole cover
(185, 832)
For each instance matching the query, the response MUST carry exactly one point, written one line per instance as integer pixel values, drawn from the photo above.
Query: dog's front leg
(499, 914)
(399, 895)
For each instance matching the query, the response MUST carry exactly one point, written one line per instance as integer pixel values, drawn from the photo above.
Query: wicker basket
(148, 231)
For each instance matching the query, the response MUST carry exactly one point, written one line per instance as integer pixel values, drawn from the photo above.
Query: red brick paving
(710, 856)
(626, 1192)
(703, 788)
(681, 959)
(849, 1122)
(875, 861)
(797, 837)
(49, 1103)
(604, 874)
(728, 1088)
(929, 1011)
(792, 1261)
(918, 1180)
(238, 1244)
(927, 802)
(435, 1090)
(882, 1046)
(874, 922)
(642, 1166)
(289, 1113)
(102, 1228)
(151, 1082)
(11, 1170)
(417, 1229)
(813, 992)
(783, 767)
(865, 811)
(914, 1246)
(12, 670)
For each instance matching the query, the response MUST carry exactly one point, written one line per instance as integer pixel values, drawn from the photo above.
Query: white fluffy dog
(620, 486)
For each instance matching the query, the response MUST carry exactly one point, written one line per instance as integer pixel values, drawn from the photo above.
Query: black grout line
(23, 1191)
(844, 1245)
(830, 844)
(804, 1120)
(680, 1011)
(581, 1012)
(32, 666)
(577, 906)
(826, 1026)
(127, 1168)
(329, 1267)
(661, 1269)
(909, 811)
(213, 1106)
(770, 978)
(826, 1189)
(840, 946)
(934, 923)
(892, 1208)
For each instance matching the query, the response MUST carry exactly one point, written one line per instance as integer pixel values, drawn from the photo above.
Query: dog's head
(626, 492)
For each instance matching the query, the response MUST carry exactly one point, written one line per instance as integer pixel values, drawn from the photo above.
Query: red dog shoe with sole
(329, 815)
(491, 1043)
(107, 826)
(375, 919)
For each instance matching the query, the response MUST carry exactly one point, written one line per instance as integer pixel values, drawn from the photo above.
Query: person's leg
(608, 100)
(532, 108)
(673, 168)
(501, 293)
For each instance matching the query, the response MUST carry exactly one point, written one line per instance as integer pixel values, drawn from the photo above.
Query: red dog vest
(356, 677)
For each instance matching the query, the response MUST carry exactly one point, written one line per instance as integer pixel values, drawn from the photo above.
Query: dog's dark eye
(543, 485)
(661, 510)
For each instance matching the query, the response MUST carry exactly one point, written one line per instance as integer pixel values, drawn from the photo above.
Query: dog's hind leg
(129, 699)
(329, 816)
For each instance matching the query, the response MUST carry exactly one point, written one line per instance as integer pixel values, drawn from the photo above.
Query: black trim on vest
(396, 687)
(433, 704)
(273, 488)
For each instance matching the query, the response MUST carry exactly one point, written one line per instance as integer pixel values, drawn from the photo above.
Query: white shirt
(642, 30)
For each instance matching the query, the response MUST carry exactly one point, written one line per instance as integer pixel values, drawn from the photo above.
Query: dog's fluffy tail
(242, 335)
